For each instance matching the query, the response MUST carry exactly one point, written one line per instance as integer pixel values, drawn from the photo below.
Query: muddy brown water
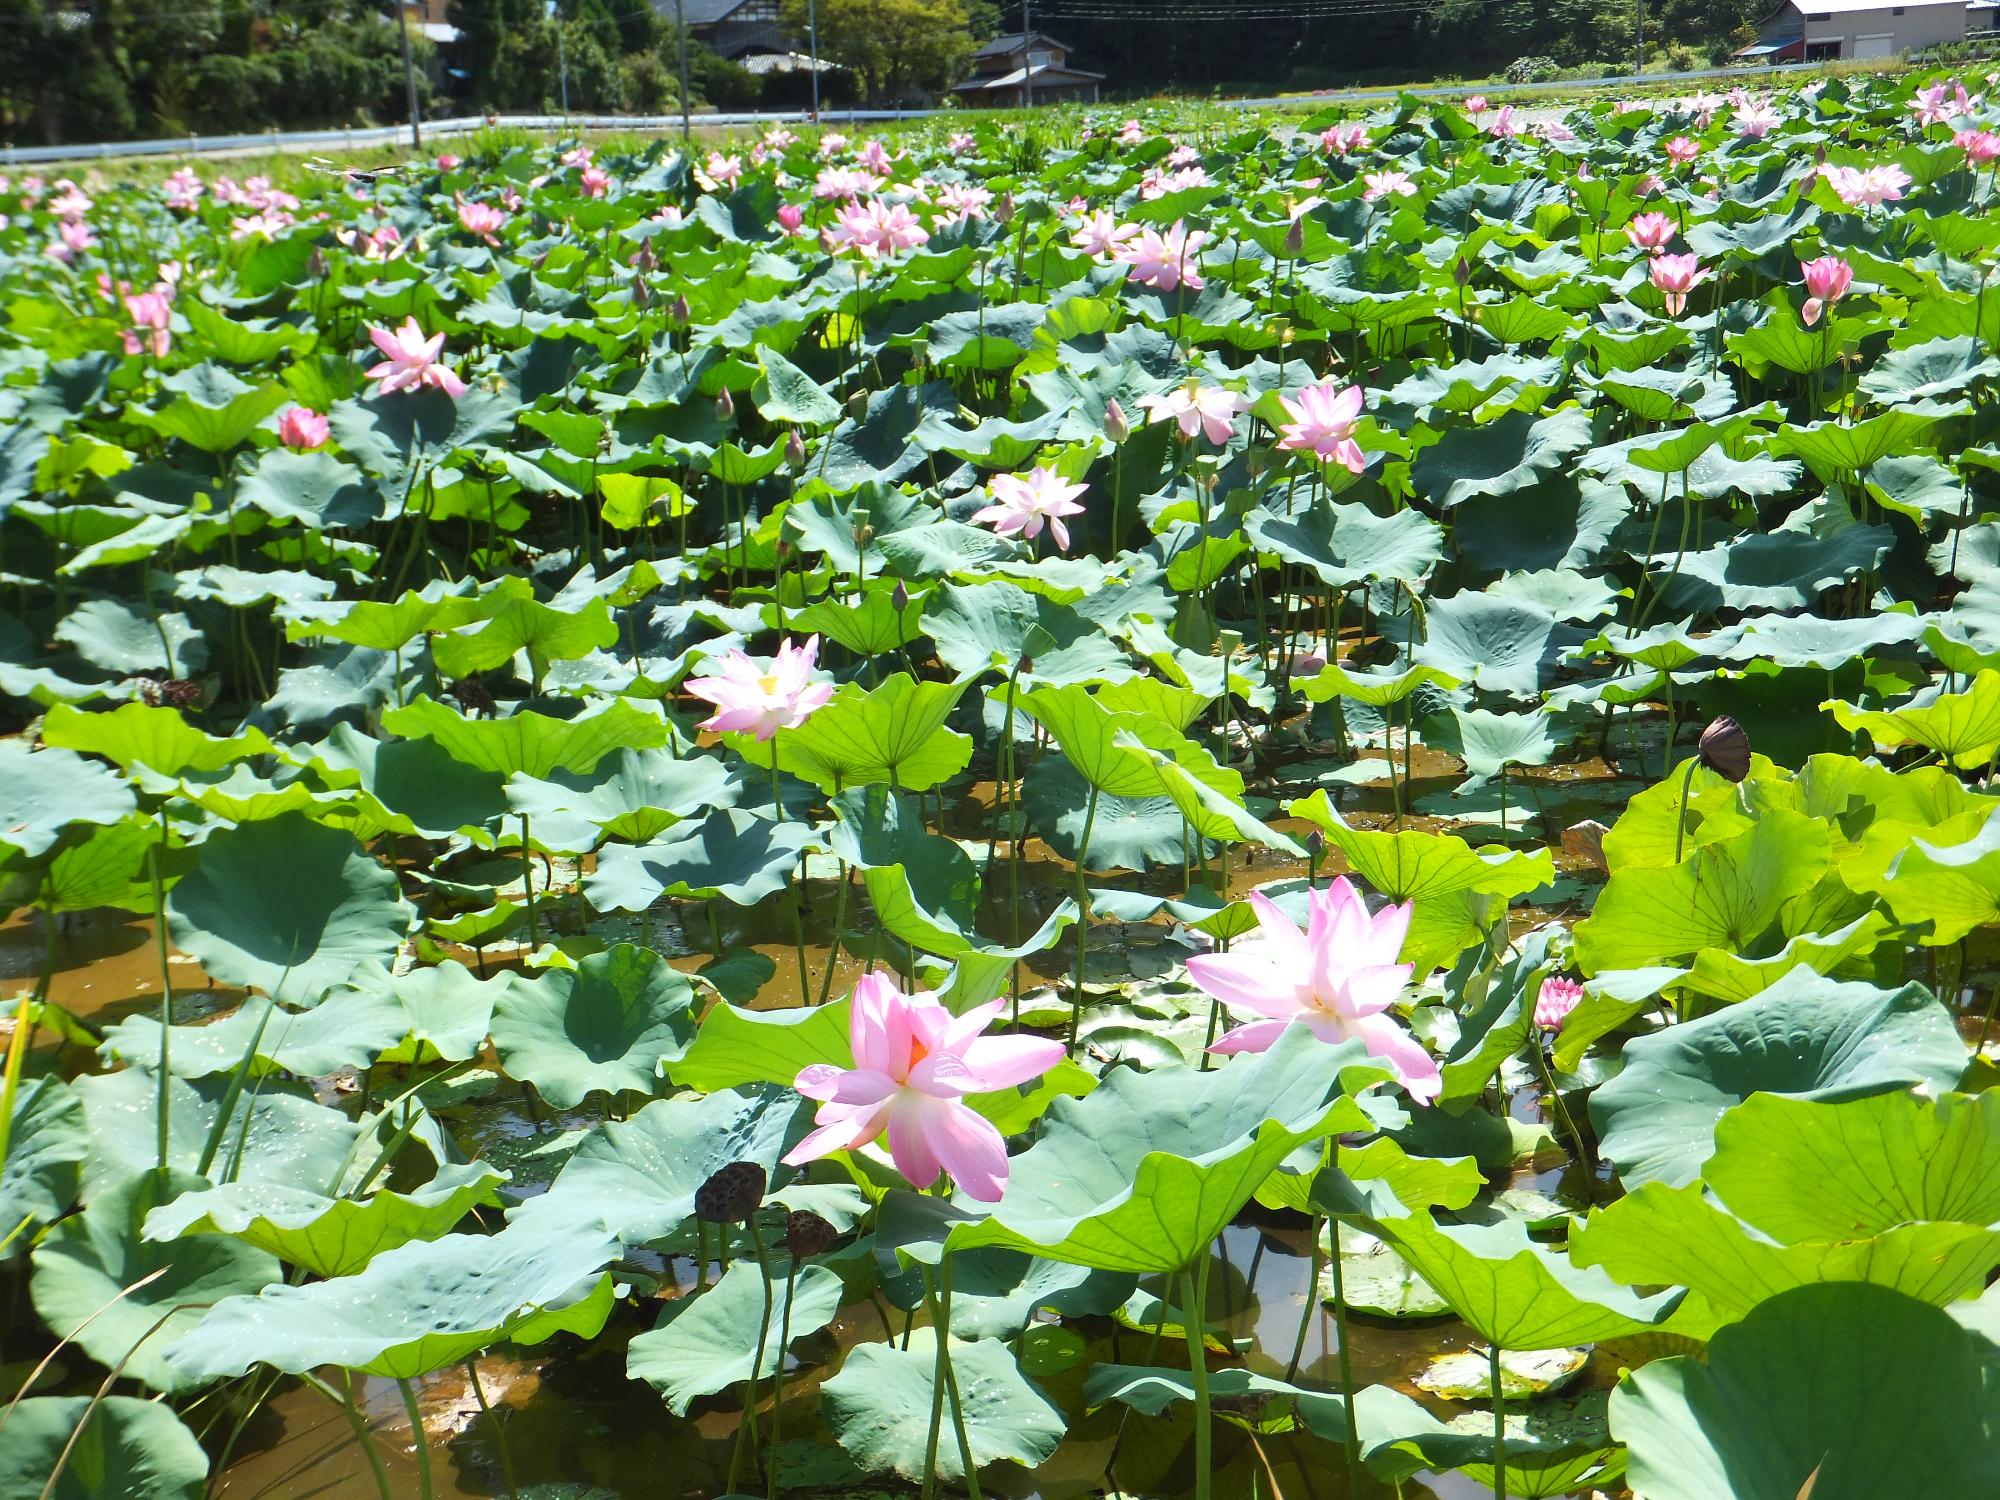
(570, 1414)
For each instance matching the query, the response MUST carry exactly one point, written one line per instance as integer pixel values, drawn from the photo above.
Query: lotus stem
(528, 879)
(424, 1486)
(749, 1421)
(1680, 827)
(1499, 1423)
(157, 855)
(345, 1401)
(969, 1469)
(929, 1487)
(778, 1380)
(1194, 1315)
(1345, 1354)
(1583, 1156)
(791, 892)
(498, 1428)
(1082, 920)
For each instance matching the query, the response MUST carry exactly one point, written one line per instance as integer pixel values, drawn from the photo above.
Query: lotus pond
(1291, 808)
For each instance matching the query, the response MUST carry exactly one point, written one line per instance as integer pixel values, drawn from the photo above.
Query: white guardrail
(393, 135)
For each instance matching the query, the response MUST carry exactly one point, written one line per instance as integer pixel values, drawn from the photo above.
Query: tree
(899, 47)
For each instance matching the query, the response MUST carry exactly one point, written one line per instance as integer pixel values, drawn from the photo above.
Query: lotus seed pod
(1725, 749)
(807, 1234)
(731, 1195)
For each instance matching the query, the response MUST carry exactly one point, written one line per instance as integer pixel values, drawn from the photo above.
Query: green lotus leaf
(110, 1448)
(327, 1236)
(1962, 727)
(44, 793)
(1141, 1173)
(86, 1267)
(1376, 689)
(978, 626)
(869, 626)
(1806, 1037)
(419, 786)
(1782, 1406)
(1502, 457)
(545, 633)
(869, 1407)
(606, 1025)
(707, 1343)
(217, 427)
(316, 490)
(630, 795)
(527, 743)
(785, 393)
(892, 733)
(413, 1309)
(158, 738)
(391, 625)
(735, 1047)
(348, 1029)
(45, 1142)
(287, 906)
(730, 854)
(1836, 448)
(1496, 644)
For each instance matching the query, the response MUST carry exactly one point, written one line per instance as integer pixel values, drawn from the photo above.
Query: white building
(1824, 30)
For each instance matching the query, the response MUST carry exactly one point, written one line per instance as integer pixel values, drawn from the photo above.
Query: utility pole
(1639, 36)
(562, 55)
(812, 39)
(681, 25)
(410, 77)
(1027, 53)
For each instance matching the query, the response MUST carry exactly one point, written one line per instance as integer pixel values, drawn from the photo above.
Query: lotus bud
(900, 596)
(640, 294)
(1315, 845)
(807, 1234)
(725, 406)
(795, 449)
(731, 1195)
(1295, 239)
(1462, 272)
(316, 263)
(1027, 666)
(681, 313)
(1115, 426)
(1003, 211)
(645, 260)
(1725, 749)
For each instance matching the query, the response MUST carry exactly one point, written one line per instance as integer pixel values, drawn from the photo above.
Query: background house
(1823, 30)
(1001, 69)
(731, 28)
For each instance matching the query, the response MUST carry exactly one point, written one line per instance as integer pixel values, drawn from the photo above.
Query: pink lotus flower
(1345, 140)
(962, 143)
(1650, 232)
(300, 428)
(725, 171)
(481, 219)
(875, 157)
(791, 217)
(448, 163)
(594, 181)
(1131, 133)
(1196, 408)
(1102, 234)
(876, 230)
(1980, 146)
(1940, 104)
(1650, 184)
(1503, 127)
(73, 237)
(1676, 276)
(1166, 261)
(70, 201)
(962, 200)
(265, 224)
(914, 1064)
(411, 361)
(845, 182)
(1557, 997)
(1023, 503)
(579, 156)
(1681, 150)
(1338, 977)
(831, 145)
(1827, 280)
(149, 333)
(1323, 424)
(1869, 187)
(1476, 105)
(1382, 185)
(1756, 119)
(759, 700)
(183, 190)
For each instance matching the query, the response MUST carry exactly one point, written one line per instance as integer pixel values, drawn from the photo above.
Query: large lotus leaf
(414, 1309)
(545, 633)
(272, 1133)
(1344, 544)
(219, 427)
(390, 625)
(1377, 689)
(1784, 569)
(706, 1342)
(1726, 894)
(1846, 1392)
(977, 627)
(996, 1293)
(447, 1009)
(1207, 795)
(1110, 749)
(158, 738)
(1145, 1170)
(636, 1179)
(45, 1143)
(1930, 371)
(327, 1236)
(1807, 1036)
(530, 744)
(729, 853)
(316, 490)
(348, 1029)
(735, 1046)
(1836, 448)
(45, 792)
(871, 1407)
(114, 1448)
(1962, 727)
(1952, 887)
(420, 786)
(1129, 833)
(785, 393)
(630, 795)
(1498, 458)
(1488, 743)
(605, 1025)
(86, 1270)
(1501, 645)
(892, 733)
(287, 906)
(1516, 1292)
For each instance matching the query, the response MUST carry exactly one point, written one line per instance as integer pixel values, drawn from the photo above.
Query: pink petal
(969, 1146)
(1415, 1068)
(834, 1085)
(1288, 945)
(910, 1145)
(1372, 990)
(1257, 1036)
(1001, 1062)
(1245, 982)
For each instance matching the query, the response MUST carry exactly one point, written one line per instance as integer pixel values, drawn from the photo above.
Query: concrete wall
(1918, 26)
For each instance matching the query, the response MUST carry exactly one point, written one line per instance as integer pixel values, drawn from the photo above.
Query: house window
(1040, 59)
(1896, 11)
(1819, 15)
(1823, 51)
